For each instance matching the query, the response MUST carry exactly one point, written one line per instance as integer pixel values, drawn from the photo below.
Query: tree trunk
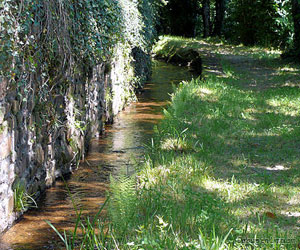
(206, 17)
(296, 19)
(220, 13)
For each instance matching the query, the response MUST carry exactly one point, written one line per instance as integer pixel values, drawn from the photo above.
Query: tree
(206, 17)
(219, 19)
(296, 20)
(253, 22)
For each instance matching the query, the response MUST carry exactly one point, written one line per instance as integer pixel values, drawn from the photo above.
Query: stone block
(15, 106)
(40, 155)
(21, 167)
(3, 131)
(2, 114)
(3, 190)
(15, 137)
(11, 173)
(12, 122)
(5, 146)
(10, 206)
(14, 156)
(4, 169)
(3, 87)
(3, 222)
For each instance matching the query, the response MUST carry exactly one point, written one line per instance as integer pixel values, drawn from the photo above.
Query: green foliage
(122, 206)
(48, 47)
(22, 200)
(253, 22)
(261, 22)
(56, 40)
(285, 30)
(267, 23)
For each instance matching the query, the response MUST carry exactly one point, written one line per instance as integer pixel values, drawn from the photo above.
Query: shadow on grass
(251, 136)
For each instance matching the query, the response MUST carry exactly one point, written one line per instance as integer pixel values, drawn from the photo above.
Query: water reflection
(112, 153)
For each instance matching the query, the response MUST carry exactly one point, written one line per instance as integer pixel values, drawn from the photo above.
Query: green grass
(166, 43)
(22, 200)
(231, 155)
(222, 171)
(268, 59)
(226, 156)
(223, 160)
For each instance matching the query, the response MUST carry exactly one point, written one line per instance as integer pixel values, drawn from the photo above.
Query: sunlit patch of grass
(231, 191)
(287, 101)
(166, 44)
(262, 53)
(178, 144)
(287, 70)
(205, 91)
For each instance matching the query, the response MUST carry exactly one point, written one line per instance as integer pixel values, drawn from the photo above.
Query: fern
(123, 202)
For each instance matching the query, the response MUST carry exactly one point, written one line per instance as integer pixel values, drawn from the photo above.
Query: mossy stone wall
(58, 87)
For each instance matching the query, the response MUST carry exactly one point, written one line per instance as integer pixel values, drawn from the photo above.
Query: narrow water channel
(122, 143)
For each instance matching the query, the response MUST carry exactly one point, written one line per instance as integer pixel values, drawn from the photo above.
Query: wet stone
(2, 114)
(4, 167)
(5, 146)
(40, 155)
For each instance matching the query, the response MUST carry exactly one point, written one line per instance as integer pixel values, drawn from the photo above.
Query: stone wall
(41, 141)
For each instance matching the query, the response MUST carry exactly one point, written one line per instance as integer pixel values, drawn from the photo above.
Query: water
(120, 146)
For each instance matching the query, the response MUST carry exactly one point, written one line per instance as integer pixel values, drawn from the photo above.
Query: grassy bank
(224, 159)
(223, 167)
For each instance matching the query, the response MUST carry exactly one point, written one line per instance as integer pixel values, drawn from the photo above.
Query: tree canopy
(273, 23)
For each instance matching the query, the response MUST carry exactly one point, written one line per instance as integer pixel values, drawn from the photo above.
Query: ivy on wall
(57, 39)
(53, 58)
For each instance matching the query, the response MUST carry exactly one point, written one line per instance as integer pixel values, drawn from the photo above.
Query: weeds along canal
(115, 152)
